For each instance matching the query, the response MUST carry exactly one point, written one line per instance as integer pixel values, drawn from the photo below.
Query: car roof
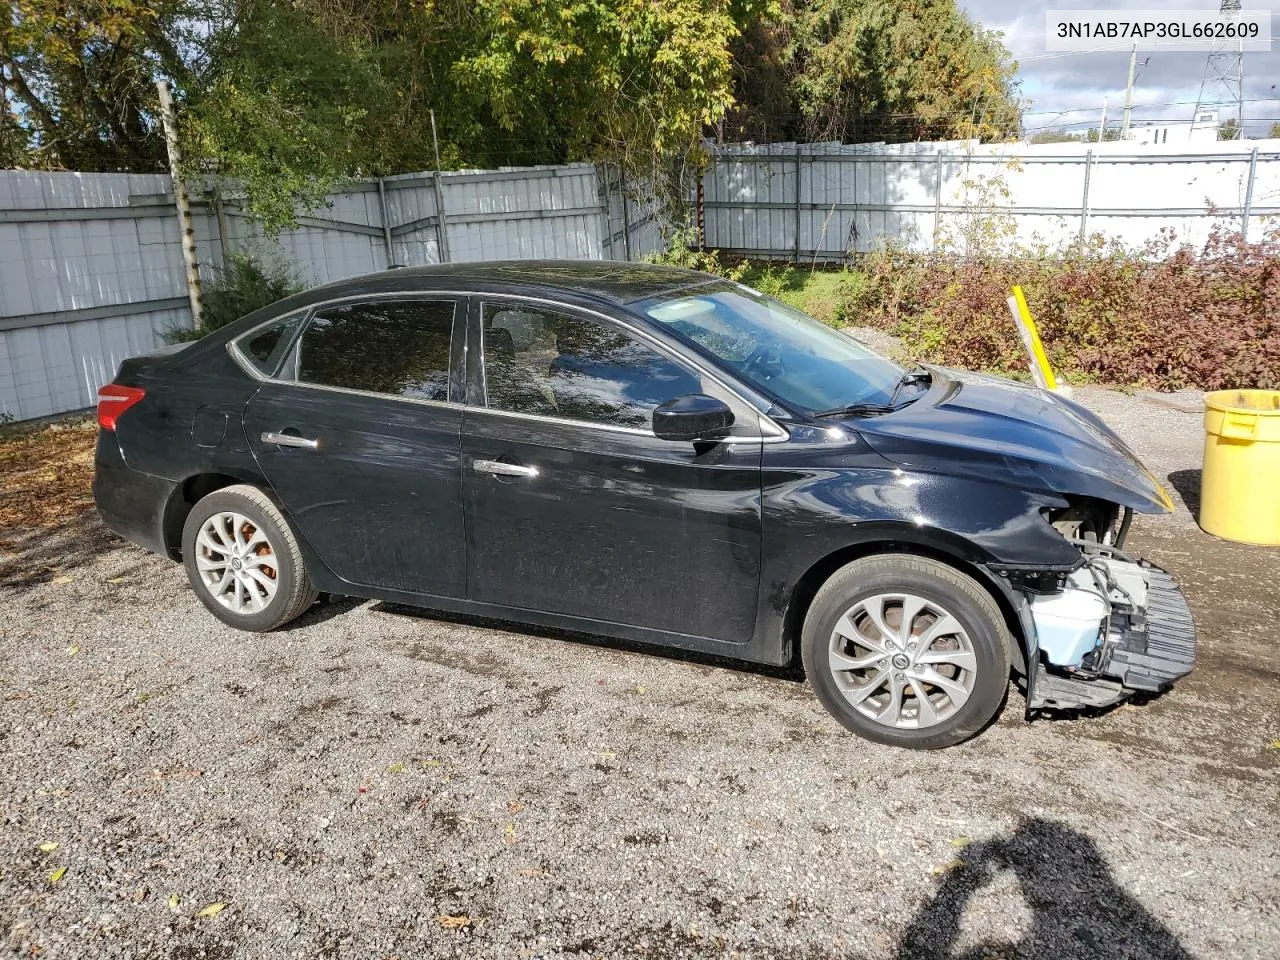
(603, 279)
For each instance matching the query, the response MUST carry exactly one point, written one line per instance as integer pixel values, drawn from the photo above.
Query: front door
(574, 507)
(359, 439)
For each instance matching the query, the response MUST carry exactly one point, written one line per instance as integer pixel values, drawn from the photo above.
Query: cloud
(1067, 90)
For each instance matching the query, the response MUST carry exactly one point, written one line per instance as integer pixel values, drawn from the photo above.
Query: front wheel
(907, 651)
(243, 561)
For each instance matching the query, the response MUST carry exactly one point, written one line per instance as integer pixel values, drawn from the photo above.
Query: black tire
(293, 591)
(954, 593)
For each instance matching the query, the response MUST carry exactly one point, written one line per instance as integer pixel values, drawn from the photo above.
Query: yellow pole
(1037, 348)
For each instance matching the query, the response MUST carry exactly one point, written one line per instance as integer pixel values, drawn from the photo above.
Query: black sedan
(658, 455)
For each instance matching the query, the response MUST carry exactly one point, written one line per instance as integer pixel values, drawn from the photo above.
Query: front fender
(810, 513)
(817, 518)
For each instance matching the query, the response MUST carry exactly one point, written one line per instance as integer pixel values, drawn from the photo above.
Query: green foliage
(1091, 135)
(1054, 136)
(819, 293)
(15, 142)
(79, 80)
(853, 70)
(1229, 130)
(775, 281)
(285, 109)
(682, 251)
(1274, 132)
(292, 98)
(242, 286)
(1164, 317)
(299, 96)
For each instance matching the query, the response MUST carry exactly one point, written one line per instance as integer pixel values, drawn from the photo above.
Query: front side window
(554, 364)
(396, 347)
(782, 351)
(266, 346)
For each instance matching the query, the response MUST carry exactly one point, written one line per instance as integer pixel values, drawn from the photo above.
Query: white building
(1203, 129)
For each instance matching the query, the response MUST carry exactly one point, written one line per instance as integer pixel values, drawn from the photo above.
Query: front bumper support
(1145, 650)
(1151, 655)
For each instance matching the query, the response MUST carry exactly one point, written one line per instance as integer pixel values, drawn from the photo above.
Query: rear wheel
(907, 651)
(243, 561)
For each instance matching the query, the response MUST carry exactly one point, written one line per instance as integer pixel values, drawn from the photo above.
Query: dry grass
(45, 476)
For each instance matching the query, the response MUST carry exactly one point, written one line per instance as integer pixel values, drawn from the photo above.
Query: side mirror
(692, 417)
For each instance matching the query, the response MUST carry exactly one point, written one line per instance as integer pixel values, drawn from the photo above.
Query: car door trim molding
(608, 427)
(770, 430)
(370, 393)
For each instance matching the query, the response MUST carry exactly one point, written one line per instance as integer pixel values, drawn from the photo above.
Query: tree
(853, 70)
(1054, 136)
(1274, 132)
(15, 143)
(301, 95)
(290, 98)
(1229, 130)
(1091, 135)
(80, 76)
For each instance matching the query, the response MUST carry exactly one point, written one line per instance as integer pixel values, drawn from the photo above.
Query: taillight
(113, 400)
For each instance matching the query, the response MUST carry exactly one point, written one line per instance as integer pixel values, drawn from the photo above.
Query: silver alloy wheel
(237, 563)
(902, 661)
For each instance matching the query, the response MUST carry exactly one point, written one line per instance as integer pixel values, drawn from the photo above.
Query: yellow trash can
(1240, 487)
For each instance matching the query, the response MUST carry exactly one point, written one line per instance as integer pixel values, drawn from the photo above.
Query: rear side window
(396, 347)
(266, 346)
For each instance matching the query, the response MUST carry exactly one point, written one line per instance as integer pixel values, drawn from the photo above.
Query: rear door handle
(289, 440)
(500, 469)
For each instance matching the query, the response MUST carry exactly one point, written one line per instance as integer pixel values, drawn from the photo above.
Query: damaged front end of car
(1098, 624)
(1114, 626)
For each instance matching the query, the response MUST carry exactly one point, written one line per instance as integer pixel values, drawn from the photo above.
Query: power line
(1140, 106)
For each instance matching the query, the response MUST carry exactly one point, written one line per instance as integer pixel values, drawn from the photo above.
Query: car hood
(1004, 431)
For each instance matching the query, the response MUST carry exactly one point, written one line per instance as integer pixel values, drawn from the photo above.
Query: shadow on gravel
(324, 609)
(31, 557)
(1187, 483)
(1078, 911)
(791, 672)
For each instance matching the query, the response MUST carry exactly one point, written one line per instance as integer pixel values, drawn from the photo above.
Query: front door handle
(289, 440)
(500, 469)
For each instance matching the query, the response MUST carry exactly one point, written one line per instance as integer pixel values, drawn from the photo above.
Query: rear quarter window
(265, 347)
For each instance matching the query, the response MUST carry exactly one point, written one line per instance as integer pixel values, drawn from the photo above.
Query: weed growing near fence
(1165, 317)
(243, 285)
(682, 251)
(819, 293)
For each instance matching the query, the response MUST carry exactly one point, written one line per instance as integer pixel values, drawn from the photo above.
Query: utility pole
(170, 121)
(1128, 93)
(442, 224)
(1102, 124)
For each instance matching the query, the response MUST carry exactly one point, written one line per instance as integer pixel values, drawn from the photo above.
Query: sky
(1066, 91)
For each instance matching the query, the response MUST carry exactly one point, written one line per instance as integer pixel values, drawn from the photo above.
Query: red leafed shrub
(1163, 317)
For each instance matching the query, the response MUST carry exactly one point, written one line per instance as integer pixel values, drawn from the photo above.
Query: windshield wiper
(857, 410)
(870, 409)
(911, 376)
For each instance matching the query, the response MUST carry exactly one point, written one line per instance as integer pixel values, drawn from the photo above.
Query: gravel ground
(377, 783)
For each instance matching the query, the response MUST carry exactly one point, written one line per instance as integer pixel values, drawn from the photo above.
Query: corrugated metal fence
(822, 201)
(91, 265)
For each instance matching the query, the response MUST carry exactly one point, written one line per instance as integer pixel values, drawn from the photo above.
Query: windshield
(784, 352)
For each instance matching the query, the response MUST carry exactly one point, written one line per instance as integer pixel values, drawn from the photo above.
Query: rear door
(359, 436)
(574, 507)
